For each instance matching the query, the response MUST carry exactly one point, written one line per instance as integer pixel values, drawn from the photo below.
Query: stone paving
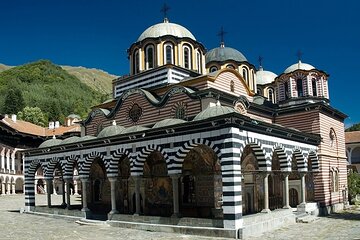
(34, 227)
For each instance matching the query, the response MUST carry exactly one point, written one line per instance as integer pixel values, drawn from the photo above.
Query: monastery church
(197, 137)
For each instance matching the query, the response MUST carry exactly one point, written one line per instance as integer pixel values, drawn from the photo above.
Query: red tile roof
(352, 137)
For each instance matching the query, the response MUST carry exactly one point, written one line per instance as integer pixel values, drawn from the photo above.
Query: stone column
(63, 193)
(303, 188)
(13, 162)
(8, 160)
(113, 195)
(175, 189)
(137, 194)
(48, 191)
(84, 182)
(13, 188)
(68, 193)
(3, 188)
(286, 183)
(266, 193)
(8, 188)
(3, 159)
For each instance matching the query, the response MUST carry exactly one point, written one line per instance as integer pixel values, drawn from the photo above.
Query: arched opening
(201, 184)
(275, 184)
(39, 184)
(99, 188)
(19, 185)
(299, 87)
(58, 181)
(314, 87)
(253, 188)
(271, 95)
(286, 90)
(123, 193)
(187, 57)
(136, 62)
(168, 53)
(149, 56)
(158, 186)
(246, 76)
(294, 181)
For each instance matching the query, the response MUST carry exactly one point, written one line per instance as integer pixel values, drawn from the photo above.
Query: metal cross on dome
(222, 34)
(260, 60)
(164, 10)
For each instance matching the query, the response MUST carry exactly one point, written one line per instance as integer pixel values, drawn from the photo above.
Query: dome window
(149, 57)
(230, 66)
(187, 57)
(246, 75)
(136, 67)
(299, 87)
(169, 55)
(198, 62)
(213, 69)
(314, 87)
(286, 90)
(271, 95)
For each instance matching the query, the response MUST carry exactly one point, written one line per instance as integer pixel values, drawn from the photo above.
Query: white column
(76, 190)
(137, 194)
(3, 158)
(13, 188)
(303, 190)
(175, 188)
(13, 161)
(113, 195)
(266, 194)
(8, 188)
(8, 160)
(286, 181)
(3, 188)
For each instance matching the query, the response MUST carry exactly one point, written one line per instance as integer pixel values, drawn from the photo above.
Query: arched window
(246, 75)
(230, 66)
(299, 87)
(213, 69)
(198, 62)
(136, 61)
(232, 86)
(187, 57)
(168, 53)
(271, 95)
(259, 91)
(286, 90)
(314, 91)
(149, 57)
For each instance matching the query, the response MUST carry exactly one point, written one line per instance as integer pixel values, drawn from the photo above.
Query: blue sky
(95, 33)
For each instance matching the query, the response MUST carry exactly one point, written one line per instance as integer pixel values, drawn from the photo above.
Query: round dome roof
(50, 143)
(168, 122)
(74, 116)
(299, 65)
(72, 139)
(110, 131)
(136, 128)
(213, 112)
(166, 28)
(264, 77)
(85, 138)
(222, 54)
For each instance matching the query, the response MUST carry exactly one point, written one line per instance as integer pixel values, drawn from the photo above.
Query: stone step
(91, 222)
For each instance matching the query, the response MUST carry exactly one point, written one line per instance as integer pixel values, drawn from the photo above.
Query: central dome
(166, 28)
(221, 54)
(299, 66)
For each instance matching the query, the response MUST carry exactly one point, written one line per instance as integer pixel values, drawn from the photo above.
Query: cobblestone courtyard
(30, 227)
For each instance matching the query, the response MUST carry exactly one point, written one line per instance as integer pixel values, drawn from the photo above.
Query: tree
(14, 101)
(33, 115)
(354, 184)
(355, 127)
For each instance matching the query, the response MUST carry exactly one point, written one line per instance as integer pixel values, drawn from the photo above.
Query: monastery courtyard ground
(18, 226)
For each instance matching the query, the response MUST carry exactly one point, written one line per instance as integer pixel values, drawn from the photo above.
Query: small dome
(299, 65)
(85, 138)
(50, 143)
(168, 122)
(166, 28)
(264, 77)
(213, 112)
(72, 139)
(222, 54)
(74, 116)
(136, 128)
(110, 131)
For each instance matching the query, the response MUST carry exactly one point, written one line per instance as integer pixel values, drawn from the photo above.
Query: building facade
(196, 134)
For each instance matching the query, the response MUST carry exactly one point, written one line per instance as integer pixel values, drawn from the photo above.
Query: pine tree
(14, 101)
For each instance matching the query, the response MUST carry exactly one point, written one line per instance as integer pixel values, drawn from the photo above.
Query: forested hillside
(47, 86)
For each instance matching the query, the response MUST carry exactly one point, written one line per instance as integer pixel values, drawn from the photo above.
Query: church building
(197, 137)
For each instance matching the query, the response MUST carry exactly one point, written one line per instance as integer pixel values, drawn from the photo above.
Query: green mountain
(49, 87)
